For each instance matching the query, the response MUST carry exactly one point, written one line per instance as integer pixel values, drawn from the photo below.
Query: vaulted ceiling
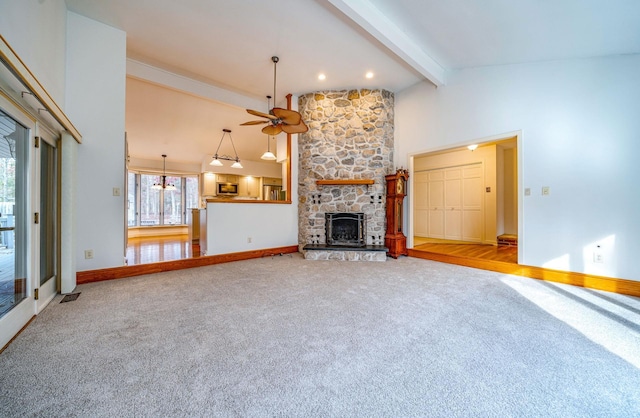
(225, 47)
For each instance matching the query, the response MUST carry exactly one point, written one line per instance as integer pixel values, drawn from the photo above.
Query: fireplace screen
(346, 229)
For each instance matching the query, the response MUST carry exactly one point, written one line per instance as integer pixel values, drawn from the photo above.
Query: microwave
(227, 189)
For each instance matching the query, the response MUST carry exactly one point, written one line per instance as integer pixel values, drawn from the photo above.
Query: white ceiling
(229, 44)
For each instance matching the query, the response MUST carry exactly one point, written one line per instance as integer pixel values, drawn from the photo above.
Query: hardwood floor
(147, 250)
(476, 251)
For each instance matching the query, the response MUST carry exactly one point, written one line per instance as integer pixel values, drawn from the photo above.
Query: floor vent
(70, 297)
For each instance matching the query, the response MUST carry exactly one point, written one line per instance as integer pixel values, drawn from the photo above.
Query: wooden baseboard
(609, 284)
(90, 276)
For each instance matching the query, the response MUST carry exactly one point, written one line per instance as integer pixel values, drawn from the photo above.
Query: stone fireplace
(343, 159)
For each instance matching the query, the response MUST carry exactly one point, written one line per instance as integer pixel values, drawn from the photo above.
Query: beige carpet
(289, 337)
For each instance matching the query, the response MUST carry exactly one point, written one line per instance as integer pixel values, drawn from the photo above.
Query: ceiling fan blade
(295, 129)
(272, 129)
(254, 122)
(290, 117)
(261, 114)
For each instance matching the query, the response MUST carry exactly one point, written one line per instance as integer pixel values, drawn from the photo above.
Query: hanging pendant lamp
(216, 158)
(163, 184)
(268, 155)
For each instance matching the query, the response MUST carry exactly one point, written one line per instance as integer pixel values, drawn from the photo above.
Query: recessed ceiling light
(321, 76)
(369, 74)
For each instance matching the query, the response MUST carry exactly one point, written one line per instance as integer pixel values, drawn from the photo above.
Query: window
(172, 212)
(132, 219)
(150, 207)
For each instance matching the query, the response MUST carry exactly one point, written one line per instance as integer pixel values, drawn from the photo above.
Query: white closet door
(436, 204)
(453, 204)
(421, 204)
(449, 203)
(472, 194)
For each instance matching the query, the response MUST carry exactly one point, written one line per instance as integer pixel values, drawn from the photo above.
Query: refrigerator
(272, 192)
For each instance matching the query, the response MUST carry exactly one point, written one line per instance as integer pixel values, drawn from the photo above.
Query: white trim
(446, 148)
(372, 20)
(24, 75)
(146, 72)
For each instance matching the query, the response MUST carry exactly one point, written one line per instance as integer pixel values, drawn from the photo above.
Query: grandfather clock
(394, 238)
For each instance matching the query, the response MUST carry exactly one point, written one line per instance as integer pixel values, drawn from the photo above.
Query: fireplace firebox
(346, 229)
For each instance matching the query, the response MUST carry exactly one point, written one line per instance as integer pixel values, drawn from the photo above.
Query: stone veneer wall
(350, 137)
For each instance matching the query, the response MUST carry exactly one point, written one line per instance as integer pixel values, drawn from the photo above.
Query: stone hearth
(350, 137)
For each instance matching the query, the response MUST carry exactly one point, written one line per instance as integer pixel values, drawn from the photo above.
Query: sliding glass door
(16, 296)
(47, 229)
(28, 219)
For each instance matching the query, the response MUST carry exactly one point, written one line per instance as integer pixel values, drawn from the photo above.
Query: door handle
(7, 228)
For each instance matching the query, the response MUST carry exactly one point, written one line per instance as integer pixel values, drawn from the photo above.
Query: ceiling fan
(278, 119)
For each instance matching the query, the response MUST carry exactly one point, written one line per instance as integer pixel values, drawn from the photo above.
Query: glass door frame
(20, 315)
(50, 288)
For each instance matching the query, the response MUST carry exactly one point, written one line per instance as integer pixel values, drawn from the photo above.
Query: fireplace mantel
(345, 182)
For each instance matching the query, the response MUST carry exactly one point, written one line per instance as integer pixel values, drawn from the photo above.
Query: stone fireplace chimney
(350, 137)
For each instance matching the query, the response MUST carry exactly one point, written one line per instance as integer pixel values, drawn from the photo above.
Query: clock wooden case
(394, 238)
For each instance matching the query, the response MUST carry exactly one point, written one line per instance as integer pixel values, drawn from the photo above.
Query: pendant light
(216, 158)
(163, 184)
(268, 155)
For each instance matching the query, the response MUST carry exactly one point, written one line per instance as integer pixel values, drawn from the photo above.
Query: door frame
(51, 288)
(518, 135)
(20, 315)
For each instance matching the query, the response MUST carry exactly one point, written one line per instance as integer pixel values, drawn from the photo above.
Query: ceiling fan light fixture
(278, 119)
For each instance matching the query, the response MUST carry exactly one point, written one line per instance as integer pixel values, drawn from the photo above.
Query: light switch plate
(546, 191)
(116, 191)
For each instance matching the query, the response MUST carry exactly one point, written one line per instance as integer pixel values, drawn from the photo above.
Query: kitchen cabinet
(249, 186)
(271, 181)
(227, 178)
(207, 184)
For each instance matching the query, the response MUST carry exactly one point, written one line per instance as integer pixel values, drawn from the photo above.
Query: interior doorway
(465, 201)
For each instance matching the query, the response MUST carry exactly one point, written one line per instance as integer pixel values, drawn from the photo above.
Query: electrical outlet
(248, 240)
(598, 257)
(527, 192)
(88, 254)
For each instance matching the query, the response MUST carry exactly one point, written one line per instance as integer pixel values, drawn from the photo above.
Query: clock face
(400, 186)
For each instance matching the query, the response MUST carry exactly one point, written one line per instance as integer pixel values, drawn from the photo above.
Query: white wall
(96, 70)
(580, 129)
(36, 31)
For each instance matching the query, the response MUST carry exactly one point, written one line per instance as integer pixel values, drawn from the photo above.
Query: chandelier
(216, 158)
(163, 185)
